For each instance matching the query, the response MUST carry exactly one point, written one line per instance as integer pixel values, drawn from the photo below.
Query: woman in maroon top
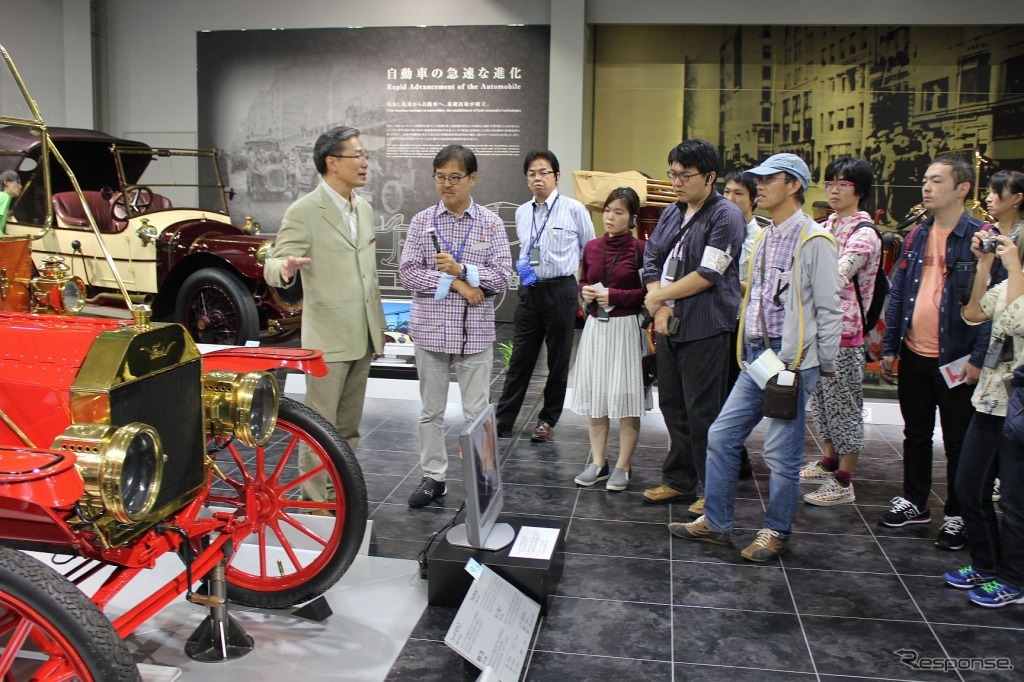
(609, 382)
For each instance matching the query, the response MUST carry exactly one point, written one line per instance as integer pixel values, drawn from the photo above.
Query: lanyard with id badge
(530, 256)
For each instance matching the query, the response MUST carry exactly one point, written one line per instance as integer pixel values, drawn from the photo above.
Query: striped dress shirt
(561, 235)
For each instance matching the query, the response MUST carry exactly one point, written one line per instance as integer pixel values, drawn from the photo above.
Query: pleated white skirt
(608, 379)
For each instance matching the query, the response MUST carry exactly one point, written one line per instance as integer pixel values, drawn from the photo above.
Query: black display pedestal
(448, 581)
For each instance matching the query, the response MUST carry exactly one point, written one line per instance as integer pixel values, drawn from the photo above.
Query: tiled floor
(634, 603)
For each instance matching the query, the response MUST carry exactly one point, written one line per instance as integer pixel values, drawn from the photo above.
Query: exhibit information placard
(494, 624)
(534, 543)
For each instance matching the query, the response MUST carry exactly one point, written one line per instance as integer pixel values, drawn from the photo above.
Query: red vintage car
(163, 215)
(120, 443)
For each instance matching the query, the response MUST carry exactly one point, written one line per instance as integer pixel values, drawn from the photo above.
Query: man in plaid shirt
(456, 255)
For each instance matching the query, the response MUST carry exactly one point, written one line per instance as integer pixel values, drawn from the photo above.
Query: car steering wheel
(139, 201)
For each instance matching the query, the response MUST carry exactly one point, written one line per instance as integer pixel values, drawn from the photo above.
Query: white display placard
(534, 543)
(494, 625)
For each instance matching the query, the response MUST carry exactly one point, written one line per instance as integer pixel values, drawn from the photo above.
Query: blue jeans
(783, 451)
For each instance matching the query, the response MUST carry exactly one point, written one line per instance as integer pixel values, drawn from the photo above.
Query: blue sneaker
(967, 578)
(995, 594)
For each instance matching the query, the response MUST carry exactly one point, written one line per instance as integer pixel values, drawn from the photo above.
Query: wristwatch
(462, 274)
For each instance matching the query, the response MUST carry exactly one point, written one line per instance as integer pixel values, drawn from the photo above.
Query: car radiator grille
(171, 401)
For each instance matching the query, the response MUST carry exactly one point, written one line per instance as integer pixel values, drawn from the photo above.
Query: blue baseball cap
(784, 163)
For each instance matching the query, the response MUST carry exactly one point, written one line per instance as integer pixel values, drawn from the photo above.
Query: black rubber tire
(79, 622)
(217, 308)
(347, 466)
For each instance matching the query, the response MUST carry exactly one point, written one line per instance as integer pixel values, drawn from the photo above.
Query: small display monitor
(478, 448)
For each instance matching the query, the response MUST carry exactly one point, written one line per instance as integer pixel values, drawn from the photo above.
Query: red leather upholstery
(69, 209)
(160, 203)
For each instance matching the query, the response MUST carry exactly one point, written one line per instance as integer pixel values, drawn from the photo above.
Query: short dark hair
(546, 155)
(699, 154)
(856, 170)
(9, 176)
(961, 170)
(330, 142)
(629, 197)
(464, 156)
(748, 181)
(1004, 180)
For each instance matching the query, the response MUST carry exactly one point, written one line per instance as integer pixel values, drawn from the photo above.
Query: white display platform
(376, 605)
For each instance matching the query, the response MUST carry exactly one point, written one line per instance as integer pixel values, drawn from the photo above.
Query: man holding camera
(923, 327)
(693, 292)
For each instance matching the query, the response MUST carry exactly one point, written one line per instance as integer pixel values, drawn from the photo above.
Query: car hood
(87, 152)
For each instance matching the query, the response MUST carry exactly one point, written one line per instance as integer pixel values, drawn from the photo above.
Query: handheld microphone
(433, 237)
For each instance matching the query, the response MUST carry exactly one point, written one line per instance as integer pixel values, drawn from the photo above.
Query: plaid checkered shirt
(451, 325)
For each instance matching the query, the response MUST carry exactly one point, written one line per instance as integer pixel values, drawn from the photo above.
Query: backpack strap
(795, 279)
(856, 280)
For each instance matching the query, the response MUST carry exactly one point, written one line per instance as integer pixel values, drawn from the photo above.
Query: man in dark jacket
(693, 292)
(924, 329)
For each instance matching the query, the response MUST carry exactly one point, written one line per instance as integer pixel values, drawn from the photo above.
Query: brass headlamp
(241, 405)
(56, 290)
(122, 467)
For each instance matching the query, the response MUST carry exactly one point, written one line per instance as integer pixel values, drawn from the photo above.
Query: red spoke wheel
(50, 631)
(298, 548)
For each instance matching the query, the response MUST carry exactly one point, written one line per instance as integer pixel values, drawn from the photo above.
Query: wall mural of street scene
(896, 95)
(265, 96)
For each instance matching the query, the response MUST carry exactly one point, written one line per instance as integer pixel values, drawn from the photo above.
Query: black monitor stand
(449, 581)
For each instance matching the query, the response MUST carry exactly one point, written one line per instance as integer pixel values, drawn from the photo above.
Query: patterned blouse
(859, 254)
(1007, 321)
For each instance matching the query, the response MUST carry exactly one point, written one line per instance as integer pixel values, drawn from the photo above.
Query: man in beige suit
(328, 236)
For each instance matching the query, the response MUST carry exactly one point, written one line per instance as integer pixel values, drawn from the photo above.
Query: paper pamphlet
(599, 288)
(494, 626)
(951, 372)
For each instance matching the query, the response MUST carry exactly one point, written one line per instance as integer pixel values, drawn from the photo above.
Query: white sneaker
(830, 494)
(813, 471)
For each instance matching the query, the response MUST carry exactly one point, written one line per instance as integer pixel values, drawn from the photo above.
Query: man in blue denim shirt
(924, 328)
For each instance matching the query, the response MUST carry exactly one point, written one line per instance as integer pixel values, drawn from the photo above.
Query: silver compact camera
(988, 245)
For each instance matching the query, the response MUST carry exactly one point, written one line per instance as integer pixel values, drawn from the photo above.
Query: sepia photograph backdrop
(897, 95)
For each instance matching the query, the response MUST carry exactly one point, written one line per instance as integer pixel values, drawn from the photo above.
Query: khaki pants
(474, 375)
(338, 397)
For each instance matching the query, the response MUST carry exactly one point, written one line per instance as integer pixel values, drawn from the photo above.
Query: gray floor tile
(748, 587)
(739, 638)
(557, 666)
(607, 628)
(618, 538)
(626, 579)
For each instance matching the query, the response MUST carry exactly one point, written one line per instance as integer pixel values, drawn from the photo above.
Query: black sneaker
(952, 535)
(904, 512)
(428, 491)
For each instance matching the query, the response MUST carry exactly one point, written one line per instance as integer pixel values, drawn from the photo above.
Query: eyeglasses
(685, 177)
(533, 175)
(454, 178)
(769, 179)
(838, 184)
(362, 156)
